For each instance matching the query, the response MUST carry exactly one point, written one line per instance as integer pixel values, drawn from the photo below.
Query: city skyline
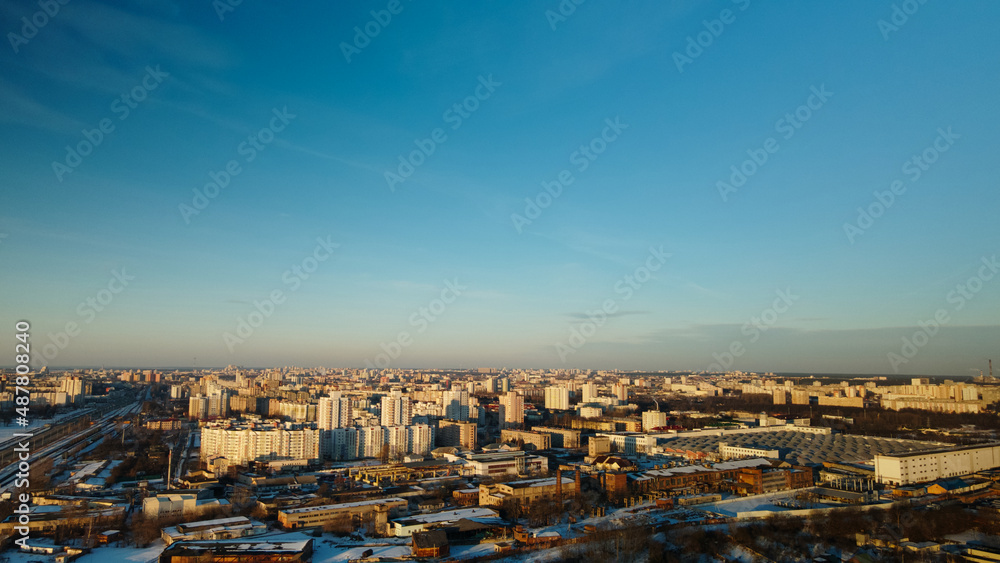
(710, 187)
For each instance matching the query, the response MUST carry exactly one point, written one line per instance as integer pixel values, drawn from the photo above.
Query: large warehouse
(922, 467)
(800, 448)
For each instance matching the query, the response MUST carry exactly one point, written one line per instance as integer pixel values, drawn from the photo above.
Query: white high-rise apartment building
(218, 403)
(557, 398)
(511, 410)
(399, 441)
(397, 410)
(75, 388)
(334, 412)
(589, 391)
(370, 441)
(198, 407)
(653, 419)
(420, 439)
(621, 392)
(342, 444)
(456, 404)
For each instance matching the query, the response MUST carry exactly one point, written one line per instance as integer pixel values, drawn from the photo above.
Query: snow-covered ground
(130, 554)
(334, 554)
(7, 432)
(470, 551)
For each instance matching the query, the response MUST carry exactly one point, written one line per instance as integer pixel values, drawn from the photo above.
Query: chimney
(578, 481)
(559, 485)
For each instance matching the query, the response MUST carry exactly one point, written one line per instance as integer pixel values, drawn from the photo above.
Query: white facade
(509, 463)
(511, 410)
(175, 505)
(242, 444)
(370, 441)
(420, 439)
(653, 419)
(343, 443)
(397, 409)
(921, 467)
(398, 440)
(631, 443)
(557, 398)
(198, 407)
(334, 412)
(455, 404)
(735, 452)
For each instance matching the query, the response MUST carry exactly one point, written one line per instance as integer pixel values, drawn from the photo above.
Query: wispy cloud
(584, 316)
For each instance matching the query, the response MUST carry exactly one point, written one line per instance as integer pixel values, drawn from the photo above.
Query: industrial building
(506, 463)
(538, 440)
(734, 452)
(243, 551)
(528, 491)
(924, 466)
(407, 526)
(377, 510)
(218, 529)
(803, 448)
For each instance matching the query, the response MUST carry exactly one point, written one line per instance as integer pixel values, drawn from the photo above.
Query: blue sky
(524, 293)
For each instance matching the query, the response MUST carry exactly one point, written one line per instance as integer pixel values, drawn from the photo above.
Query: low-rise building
(630, 443)
(187, 505)
(431, 544)
(219, 529)
(931, 465)
(760, 480)
(407, 526)
(506, 463)
(537, 440)
(735, 452)
(376, 510)
(271, 551)
(561, 437)
(527, 491)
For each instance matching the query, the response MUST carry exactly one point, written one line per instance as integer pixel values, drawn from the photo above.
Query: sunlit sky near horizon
(452, 265)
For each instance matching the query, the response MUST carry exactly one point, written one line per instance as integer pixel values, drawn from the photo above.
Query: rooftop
(446, 516)
(390, 500)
